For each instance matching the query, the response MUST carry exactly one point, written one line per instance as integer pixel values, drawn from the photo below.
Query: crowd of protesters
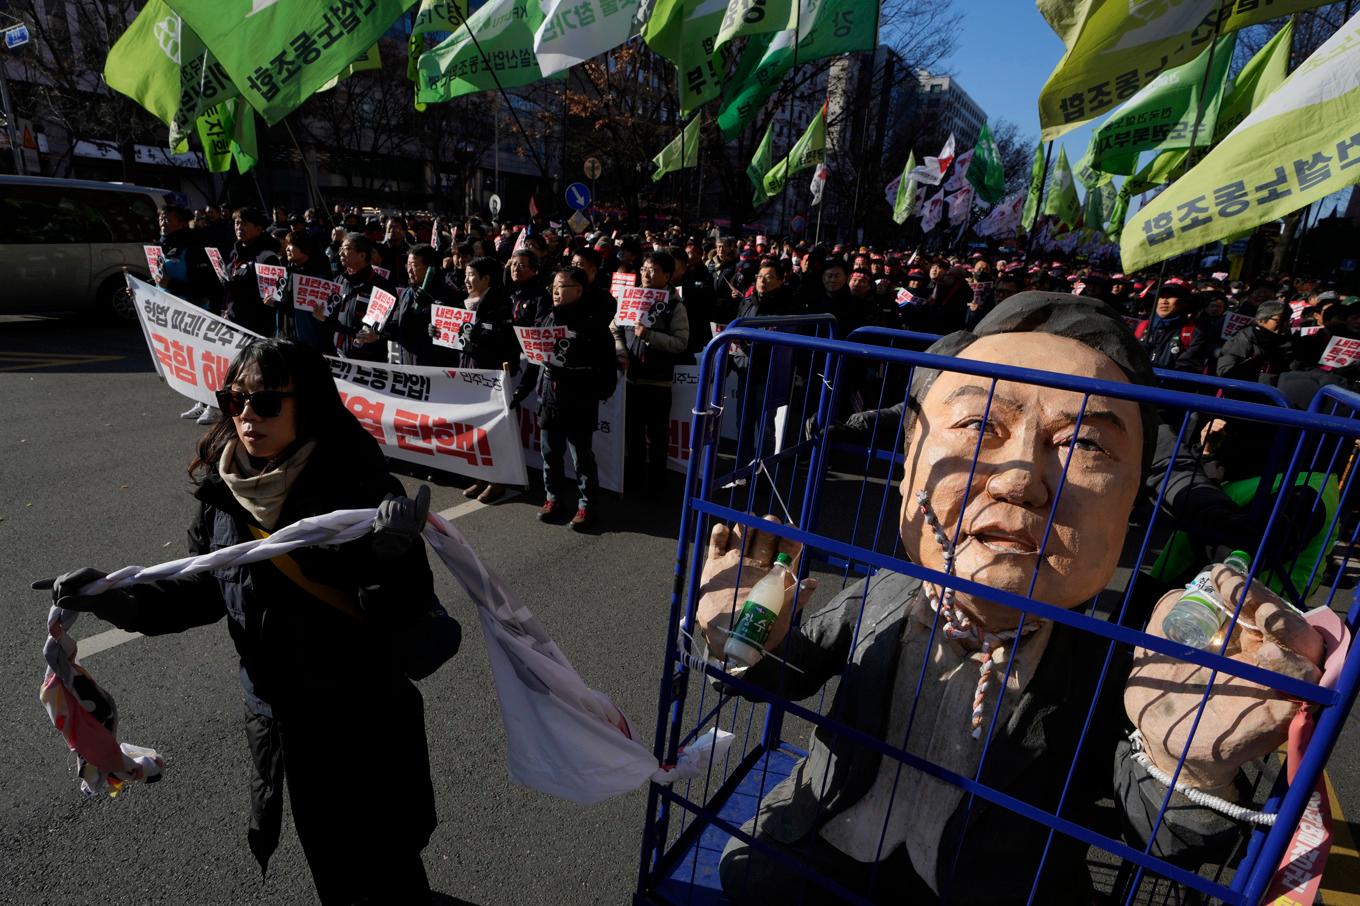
(1268, 330)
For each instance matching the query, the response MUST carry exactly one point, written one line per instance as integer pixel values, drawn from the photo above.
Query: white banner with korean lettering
(607, 442)
(452, 420)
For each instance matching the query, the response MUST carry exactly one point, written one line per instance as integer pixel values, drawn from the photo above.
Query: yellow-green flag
(760, 164)
(1061, 201)
(681, 154)
(1264, 73)
(905, 202)
(1115, 47)
(1300, 145)
(227, 132)
(370, 60)
(807, 152)
(1036, 183)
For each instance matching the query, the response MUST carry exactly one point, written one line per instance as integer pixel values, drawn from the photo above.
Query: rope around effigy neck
(958, 625)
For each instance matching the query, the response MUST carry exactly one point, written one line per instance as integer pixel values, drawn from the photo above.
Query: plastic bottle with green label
(1200, 612)
(746, 642)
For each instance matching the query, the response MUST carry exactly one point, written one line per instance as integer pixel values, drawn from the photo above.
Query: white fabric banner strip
(563, 738)
(453, 420)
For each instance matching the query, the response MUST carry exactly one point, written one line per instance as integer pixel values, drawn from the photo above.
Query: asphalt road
(92, 472)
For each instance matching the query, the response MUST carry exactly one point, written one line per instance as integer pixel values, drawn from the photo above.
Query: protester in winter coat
(187, 271)
(569, 394)
(304, 257)
(647, 355)
(597, 297)
(352, 338)
(410, 327)
(529, 298)
(1261, 352)
(316, 630)
(1170, 335)
(253, 246)
(694, 286)
(490, 343)
(765, 375)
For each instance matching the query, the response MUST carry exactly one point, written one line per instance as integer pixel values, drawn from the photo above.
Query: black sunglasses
(266, 403)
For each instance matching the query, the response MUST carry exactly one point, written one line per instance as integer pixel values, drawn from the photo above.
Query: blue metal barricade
(846, 520)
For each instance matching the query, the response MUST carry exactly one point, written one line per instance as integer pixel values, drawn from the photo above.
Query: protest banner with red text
(270, 279)
(618, 282)
(1233, 322)
(451, 325)
(155, 261)
(453, 420)
(219, 266)
(312, 293)
(380, 305)
(544, 345)
(606, 442)
(639, 305)
(1339, 353)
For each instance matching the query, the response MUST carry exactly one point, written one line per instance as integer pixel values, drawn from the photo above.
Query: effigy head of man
(1044, 510)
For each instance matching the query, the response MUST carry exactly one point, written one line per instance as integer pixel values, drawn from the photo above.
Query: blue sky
(1005, 52)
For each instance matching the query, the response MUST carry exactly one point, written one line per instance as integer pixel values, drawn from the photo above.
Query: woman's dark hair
(426, 254)
(253, 215)
(361, 244)
(321, 414)
(486, 266)
(303, 242)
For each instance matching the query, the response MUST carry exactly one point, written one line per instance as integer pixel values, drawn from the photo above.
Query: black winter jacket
(244, 306)
(568, 394)
(409, 325)
(348, 318)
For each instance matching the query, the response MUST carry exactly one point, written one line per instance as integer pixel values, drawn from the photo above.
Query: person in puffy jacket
(253, 246)
(358, 280)
(316, 630)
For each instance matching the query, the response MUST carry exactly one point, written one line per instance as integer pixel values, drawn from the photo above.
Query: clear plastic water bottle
(1200, 613)
(746, 642)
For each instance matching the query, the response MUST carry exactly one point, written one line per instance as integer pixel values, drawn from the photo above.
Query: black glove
(66, 587)
(399, 523)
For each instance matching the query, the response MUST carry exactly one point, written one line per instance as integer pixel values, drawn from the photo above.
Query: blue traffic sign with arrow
(578, 196)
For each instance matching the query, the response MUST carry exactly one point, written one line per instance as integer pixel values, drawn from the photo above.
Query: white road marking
(103, 641)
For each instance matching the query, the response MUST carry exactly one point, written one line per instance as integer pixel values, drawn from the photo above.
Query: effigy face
(1023, 436)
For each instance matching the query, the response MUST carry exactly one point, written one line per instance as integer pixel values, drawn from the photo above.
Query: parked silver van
(64, 244)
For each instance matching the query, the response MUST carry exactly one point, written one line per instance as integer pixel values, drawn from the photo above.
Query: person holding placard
(186, 271)
(569, 394)
(647, 347)
(306, 258)
(410, 325)
(529, 299)
(1262, 351)
(490, 342)
(254, 245)
(353, 339)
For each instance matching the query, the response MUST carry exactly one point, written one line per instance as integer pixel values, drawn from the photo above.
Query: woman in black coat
(329, 710)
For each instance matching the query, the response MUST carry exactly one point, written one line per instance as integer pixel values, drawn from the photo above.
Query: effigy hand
(1242, 720)
(729, 574)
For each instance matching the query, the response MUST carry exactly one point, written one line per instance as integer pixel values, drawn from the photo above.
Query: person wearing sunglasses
(318, 631)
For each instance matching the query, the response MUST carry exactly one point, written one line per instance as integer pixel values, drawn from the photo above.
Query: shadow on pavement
(40, 345)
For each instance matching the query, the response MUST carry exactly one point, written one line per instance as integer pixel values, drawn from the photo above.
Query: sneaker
(474, 489)
(547, 511)
(491, 493)
(581, 521)
(211, 415)
(194, 412)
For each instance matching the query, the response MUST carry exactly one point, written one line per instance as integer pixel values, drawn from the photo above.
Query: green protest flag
(744, 18)
(1163, 114)
(1117, 215)
(683, 31)
(1100, 204)
(279, 54)
(828, 28)
(1036, 184)
(807, 152)
(161, 64)
(1061, 200)
(681, 154)
(1297, 147)
(433, 16)
(1263, 74)
(985, 173)
(905, 202)
(763, 160)
(1088, 176)
(1115, 47)
(505, 30)
(227, 133)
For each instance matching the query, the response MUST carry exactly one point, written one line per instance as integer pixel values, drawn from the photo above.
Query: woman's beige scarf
(261, 491)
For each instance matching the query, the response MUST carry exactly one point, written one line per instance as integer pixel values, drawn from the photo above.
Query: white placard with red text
(219, 266)
(618, 282)
(155, 261)
(1233, 322)
(271, 279)
(684, 390)
(452, 324)
(454, 420)
(311, 293)
(380, 304)
(638, 305)
(382, 272)
(543, 345)
(1339, 353)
